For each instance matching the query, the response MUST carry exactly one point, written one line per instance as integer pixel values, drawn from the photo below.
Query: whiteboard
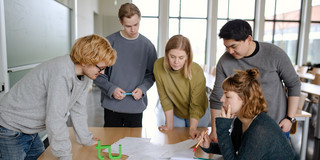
(36, 31)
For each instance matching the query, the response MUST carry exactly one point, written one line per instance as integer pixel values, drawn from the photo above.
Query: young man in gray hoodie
(42, 99)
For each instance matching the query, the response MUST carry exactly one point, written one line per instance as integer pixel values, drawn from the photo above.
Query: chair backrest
(303, 97)
(316, 79)
(315, 71)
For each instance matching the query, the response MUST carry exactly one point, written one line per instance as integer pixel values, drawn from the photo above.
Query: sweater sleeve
(199, 100)
(56, 116)
(102, 81)
(288, 74)
(166, 103)
(225, 142)
(149, 77)
(107, 88)
(213, 148)
(217, 91)
(79, 119)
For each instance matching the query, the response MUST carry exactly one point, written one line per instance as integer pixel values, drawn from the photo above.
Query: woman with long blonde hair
(181, 87)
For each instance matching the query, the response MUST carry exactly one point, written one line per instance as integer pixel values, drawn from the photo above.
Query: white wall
(98, 16)
(108, 7)
(109, 11)
(85, 16)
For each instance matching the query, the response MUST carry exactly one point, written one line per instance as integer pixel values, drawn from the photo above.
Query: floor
(153, 115)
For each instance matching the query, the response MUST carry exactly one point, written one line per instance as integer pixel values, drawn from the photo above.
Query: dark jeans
(115, 119)
(17, 145)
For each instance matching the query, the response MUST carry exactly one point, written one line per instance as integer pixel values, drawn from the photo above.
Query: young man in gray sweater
(42, 99)
(274, 65)
(131, 74)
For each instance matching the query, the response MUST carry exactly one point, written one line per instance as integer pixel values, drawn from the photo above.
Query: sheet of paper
(141, 148)
(183, 155)
(188, 154)
(172, 149)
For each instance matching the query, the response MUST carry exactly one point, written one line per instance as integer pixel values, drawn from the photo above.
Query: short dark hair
(237, 29)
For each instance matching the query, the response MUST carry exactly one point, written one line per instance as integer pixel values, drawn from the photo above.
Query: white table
(306, 76)
(305, 117)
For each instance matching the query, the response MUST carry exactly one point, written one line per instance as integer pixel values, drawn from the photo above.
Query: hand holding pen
(137, 94)
(118, 94)
(203, 140)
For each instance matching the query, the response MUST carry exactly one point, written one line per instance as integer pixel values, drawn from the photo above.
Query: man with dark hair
(276, 69)
(132, 73)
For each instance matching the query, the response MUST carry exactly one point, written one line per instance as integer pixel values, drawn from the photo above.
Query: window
(282, 23)
(189, 18)
(149, 24)
(314, 34)
(228, 10)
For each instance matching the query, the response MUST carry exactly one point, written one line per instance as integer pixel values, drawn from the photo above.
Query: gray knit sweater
(274, 66)
(41, 100)
(133, 69)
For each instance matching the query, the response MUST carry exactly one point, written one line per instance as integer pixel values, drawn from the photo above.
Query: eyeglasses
(101, 69)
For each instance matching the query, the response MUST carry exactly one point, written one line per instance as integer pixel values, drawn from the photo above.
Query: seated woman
(181, 87)
(254, 135)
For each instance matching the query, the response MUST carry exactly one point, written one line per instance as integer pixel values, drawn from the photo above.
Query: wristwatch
(292, 120)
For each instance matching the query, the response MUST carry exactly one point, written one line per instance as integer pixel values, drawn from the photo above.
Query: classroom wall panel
(111, 24)
(36, 31)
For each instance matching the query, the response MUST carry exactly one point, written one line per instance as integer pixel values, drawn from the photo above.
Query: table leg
(317, 134)
(303, 149)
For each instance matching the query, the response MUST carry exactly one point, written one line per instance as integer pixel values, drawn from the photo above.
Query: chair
(316, 79)
(206, 68)
(305, 117)
(213, 70)
(313, 99)
(315, 71)
(303, 97)
(302, 100)
(301, 71)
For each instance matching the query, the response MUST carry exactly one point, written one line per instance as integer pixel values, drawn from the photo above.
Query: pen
(200, 141)
(202, 158)
(127, 94)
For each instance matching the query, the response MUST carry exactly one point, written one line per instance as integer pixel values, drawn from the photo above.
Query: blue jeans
(203, 121)
(19, 146)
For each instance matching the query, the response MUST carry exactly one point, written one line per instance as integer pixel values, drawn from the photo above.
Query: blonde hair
(247, 86)
(93, 49)
(183, 43)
